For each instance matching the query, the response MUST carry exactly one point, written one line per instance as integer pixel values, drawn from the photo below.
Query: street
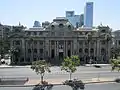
(106, 86)
(83, 73)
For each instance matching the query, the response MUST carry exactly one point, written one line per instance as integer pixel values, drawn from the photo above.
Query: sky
(26, 12)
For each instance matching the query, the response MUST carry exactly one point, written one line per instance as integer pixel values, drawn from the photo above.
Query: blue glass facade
(88, 14)
(81, 20)
(73, 19)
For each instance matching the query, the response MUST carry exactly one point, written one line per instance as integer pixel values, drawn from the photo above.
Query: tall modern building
(37, 24)
(81, 20)
(88, 14)
(73, 19)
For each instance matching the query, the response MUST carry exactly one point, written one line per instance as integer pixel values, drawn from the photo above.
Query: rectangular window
(41, 42)
(17, 42)
(103, 42)
(41, 50)
(29, 50)
(52, 42)
(52, 33)
(40, 33)
(35, 42)
(119, 42)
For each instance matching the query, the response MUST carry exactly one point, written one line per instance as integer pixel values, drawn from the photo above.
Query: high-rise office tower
(88, 15)
(81, 20)
(73, 19)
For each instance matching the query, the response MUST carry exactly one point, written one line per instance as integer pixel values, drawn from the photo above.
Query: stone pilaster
(75, 46)
(23, 49)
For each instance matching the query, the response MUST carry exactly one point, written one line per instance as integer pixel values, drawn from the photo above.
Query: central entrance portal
(60, 56)
(61, 50)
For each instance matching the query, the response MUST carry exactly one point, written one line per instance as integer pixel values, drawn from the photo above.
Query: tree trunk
(70, 75)
(32, 51)
(89, 50)
(41, 78)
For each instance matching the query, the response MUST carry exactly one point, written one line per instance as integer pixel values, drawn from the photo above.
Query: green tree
(15, 53)
(40, 67)
(4, 42)
(70, 63)
(115, 63)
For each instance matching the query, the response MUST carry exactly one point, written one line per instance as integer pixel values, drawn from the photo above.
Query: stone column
(109, 49)
(84, 47)
(50, 48)
(46, 48)
(66, 47)
(72, 46)
(95, 48)
(75, 46)
(23, 49)
(98, 48)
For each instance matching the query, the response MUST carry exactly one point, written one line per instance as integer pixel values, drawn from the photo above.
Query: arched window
(29, 50)
(91, 50)
(61, 25)
(103, 31)
(102, 51)
(80, 50)
(53, 27)
(86, 50)
(69, 27)
(35, 50)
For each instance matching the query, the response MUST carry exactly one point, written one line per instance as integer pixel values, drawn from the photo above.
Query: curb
(1, 67)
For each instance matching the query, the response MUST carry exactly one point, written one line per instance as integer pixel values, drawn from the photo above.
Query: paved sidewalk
(7, 66)
(61, 80)
(28, 66)
(98, 64)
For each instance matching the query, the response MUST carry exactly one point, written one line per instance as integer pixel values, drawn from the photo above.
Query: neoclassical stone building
(116, 41)
(58, 40)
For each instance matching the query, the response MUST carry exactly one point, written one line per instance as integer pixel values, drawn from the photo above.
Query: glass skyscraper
(81, 20)
(73, 19)
(88, 15)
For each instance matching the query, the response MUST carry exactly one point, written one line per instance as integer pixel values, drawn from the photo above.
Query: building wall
(88, 14)
(59, 40)
(116, 41)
